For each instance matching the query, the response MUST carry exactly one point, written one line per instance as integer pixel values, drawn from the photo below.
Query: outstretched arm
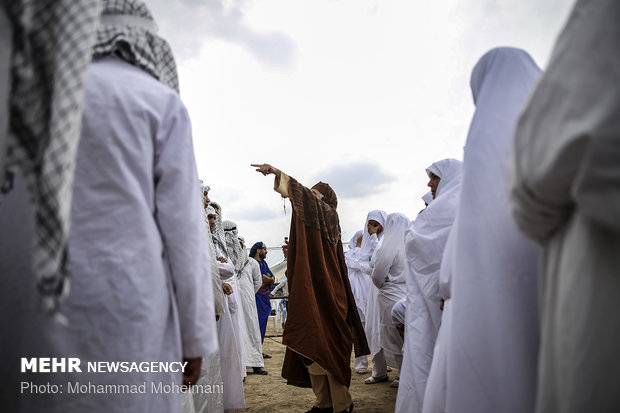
(267, 169)
(280, 183)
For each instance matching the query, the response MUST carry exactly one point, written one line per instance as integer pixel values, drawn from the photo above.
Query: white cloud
(318, 87)
(356, 179)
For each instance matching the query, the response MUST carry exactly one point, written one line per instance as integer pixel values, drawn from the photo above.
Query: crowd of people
(498, 296)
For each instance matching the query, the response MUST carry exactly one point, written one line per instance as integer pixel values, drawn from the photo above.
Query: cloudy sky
(362, 94)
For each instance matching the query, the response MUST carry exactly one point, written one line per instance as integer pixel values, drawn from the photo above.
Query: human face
(374, 227)
(205, 199)
(433, 183)
(211, 218)
(262, 253)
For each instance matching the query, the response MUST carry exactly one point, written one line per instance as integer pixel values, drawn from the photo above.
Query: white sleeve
(257, 277)
(180, 219)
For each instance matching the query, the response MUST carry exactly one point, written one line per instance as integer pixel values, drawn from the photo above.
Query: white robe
(565, 193)
(425, 241)
(360, 282)
(389, 276)
(140, 288)
(493, 341)
(249, 283)
(231, 357)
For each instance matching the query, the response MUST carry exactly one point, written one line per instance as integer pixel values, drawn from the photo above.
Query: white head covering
(449, 170)
(376, 215)
(424, 245)
(494, 275)
(353, 241)
(391, 260)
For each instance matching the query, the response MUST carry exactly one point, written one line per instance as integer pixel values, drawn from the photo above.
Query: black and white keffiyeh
(128, 32)
(52, 46)
(240, 260)
(217, 234)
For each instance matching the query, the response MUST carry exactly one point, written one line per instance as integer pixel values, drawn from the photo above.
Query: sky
(362, 94)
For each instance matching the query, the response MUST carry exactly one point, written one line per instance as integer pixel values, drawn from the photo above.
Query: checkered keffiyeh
(217, 235)
(127, 31)
(52, 45)
(237, 255)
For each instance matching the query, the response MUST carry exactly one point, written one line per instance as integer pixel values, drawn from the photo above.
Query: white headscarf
(424, 245)
(390, 263)
(448, 170)
(494, 276)
(375, 215)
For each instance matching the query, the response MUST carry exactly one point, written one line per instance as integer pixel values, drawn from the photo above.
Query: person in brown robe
(323, 323)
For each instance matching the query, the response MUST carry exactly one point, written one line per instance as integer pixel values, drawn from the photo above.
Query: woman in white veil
(389, 276)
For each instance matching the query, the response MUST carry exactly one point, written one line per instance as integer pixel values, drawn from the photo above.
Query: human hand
(191, 373)
(265, 168)
(223, 260)
(227, 289)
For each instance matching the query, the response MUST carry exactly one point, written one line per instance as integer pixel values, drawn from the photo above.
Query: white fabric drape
(389, 276)
(493, 340)
(424, 244)
(359, 281)
(139, 263)
(565, 193)
(370, 244)
(249, 282)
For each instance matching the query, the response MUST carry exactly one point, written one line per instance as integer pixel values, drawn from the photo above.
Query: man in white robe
(228, 330)
(565, 194)
(138, 261)
(249, 280)
(425, 241)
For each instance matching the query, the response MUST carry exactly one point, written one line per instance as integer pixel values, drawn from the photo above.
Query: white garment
(231, 362)
(565, 193)
(249, 283)
(228, 332)
(369, 245)
(493, 344)
(424, 244)
(436, 386)
(360, 282)
(398, 312)
(389, 276)
(138, 262)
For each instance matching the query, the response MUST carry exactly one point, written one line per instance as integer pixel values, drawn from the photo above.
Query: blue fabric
(263, 305)
(264, 270)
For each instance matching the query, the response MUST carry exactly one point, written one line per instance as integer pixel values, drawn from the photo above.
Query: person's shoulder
(125, 78)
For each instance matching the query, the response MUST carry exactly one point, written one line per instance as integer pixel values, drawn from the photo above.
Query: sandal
(373, 380)
(394, 384)
(361, 371)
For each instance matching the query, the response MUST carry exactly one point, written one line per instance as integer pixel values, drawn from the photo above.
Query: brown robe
(322, 322)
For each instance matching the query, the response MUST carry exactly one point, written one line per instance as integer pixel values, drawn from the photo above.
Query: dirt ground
(270, 393)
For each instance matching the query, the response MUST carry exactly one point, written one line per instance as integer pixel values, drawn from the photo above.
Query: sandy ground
(270, 393)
